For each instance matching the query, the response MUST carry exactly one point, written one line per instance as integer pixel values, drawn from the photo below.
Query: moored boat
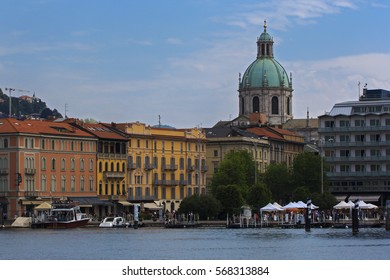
(63, 214)
(114, 222)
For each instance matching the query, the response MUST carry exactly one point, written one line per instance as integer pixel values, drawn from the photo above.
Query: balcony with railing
(183, 182)
(149, 166)
(138, 198)
(131, 166)
(30, 171)
(32, 194)
(191, 168)
(165, 182)
(4, 171)
(169, 167)
(114, 175)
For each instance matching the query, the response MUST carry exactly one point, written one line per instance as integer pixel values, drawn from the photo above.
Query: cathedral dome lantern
(265, 86)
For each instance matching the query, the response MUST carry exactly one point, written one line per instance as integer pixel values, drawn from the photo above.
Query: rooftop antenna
(358, 89)
(159, 121)
(10, 98)
(66, 111)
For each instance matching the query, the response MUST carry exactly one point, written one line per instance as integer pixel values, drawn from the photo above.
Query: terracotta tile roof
(103, 131)
(266, 132)
(10, 125)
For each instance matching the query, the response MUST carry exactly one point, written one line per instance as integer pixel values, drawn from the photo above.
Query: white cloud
(174, 41)
(320, 84)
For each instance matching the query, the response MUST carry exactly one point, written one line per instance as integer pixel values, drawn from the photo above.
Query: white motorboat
(114, 222)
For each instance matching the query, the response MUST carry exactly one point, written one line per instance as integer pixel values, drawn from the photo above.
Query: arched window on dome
(256, 104)
(275, 105)
(242, 106)
(288, 106)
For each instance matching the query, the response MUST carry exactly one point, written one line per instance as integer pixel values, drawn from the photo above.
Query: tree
(207, 206)
(238, 168)
(325, 200)
(307, 171)
(258, 195)
(278, 179)
(230, 197)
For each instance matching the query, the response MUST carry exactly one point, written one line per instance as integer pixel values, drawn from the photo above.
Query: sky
(178, 62)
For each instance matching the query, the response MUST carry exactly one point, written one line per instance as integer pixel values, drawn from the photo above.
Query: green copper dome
(265, 72)
(265, 37)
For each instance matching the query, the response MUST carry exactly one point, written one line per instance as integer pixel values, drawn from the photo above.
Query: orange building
(44, 160)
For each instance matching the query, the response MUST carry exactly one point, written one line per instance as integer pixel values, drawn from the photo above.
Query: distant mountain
(25, 106)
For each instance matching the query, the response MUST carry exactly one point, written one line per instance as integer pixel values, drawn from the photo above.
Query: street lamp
(322, 164)
(10, 101)
(255, 158)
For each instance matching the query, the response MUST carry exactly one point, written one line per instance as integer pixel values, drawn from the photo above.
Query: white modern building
(355, 143)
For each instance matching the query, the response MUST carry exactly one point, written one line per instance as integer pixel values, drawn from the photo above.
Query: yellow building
(164, 165)
(111, 169)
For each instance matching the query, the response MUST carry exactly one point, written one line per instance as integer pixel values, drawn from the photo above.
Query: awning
(372, 198)
(31, 202)
(365, 197)
(125, 203)
(43, 206)
(91, 201)
(152, 206)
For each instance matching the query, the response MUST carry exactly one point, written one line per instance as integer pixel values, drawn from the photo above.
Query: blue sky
(125, 61)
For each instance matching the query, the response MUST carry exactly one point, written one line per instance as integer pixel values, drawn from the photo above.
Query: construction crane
(10, 100)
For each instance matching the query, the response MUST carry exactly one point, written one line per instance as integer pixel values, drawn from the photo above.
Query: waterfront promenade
(223, 224)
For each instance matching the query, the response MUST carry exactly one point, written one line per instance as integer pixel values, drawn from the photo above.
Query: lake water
(195, 243)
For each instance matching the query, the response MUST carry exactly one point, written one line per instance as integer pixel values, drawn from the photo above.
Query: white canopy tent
(342, 205)
(269, 208)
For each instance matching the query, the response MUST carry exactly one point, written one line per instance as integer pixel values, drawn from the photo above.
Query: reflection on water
(197, 243)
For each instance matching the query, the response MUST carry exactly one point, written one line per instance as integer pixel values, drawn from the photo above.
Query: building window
(53, 183)
(344, 168)
(329, 124)
(163, 193)
(91, 184)
(81, 164)
(82, 184)
(359, 138)
(344, 123)
(375, 122)
(256, 104)
(43, 163)
(359, 123)
(360, 168)
(275, 105)
(63, 183)
(72, 164)
(215, 153)
(375, 137)
(53, 164)
(344, 138)
(288, 106)
(43, 183)
(173, 194)
(63, 164)
(73, 184)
